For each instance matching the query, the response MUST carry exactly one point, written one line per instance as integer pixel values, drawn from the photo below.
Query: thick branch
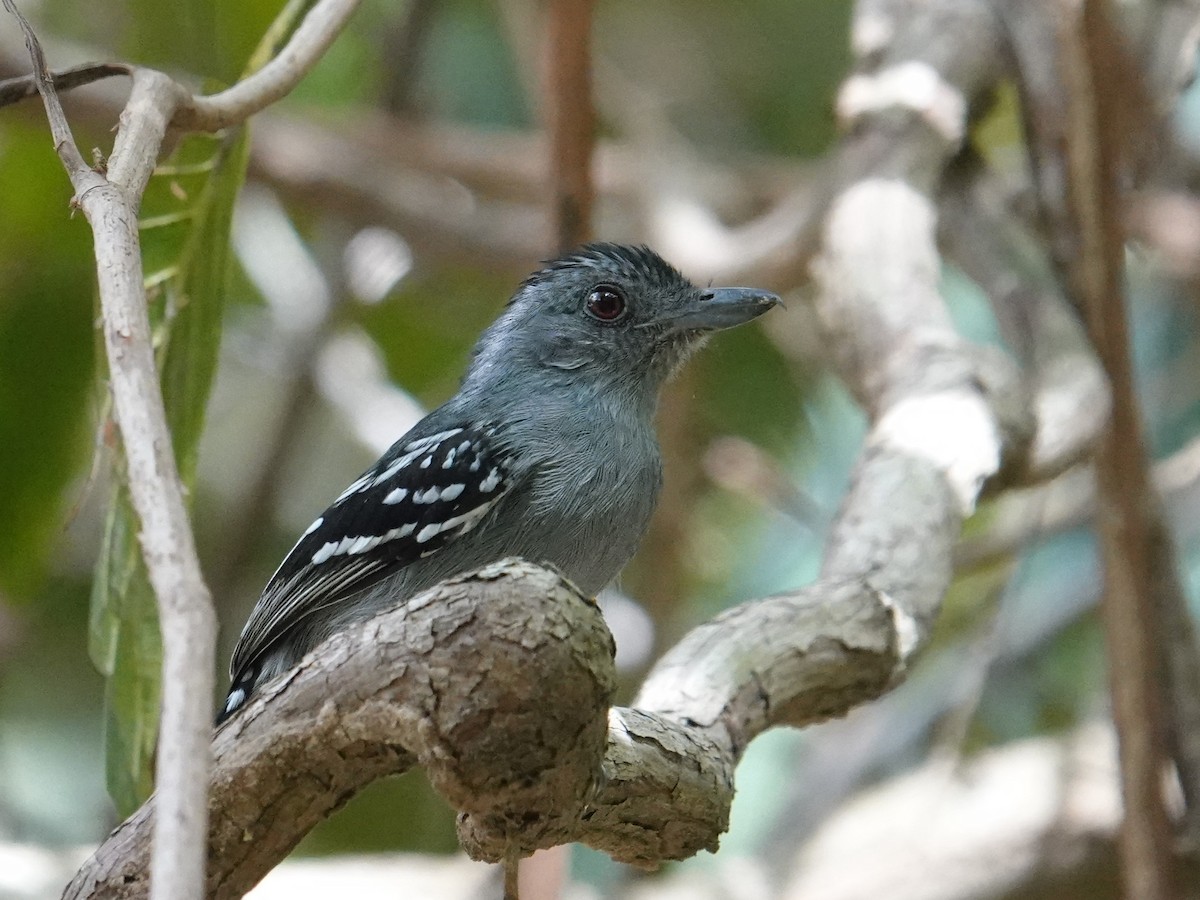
(498, 683)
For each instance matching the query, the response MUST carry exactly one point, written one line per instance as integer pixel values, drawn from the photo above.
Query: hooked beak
(722, 308)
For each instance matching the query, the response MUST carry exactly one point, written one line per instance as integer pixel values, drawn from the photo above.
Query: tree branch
(571, 119)
(274, 81)
(1021, 517)
(498, 683)
(517, 751)
(1138, 558)
(1065, 384)
(13, 90)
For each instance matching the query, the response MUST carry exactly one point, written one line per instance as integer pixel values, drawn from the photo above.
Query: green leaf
(198, 300)
(125, 646)
(185, 224)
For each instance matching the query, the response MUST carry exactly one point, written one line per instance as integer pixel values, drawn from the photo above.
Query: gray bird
(547, 452)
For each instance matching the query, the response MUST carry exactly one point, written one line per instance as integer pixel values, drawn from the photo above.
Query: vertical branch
(1129, 523)
(570, 119)
(403, 46)
(186, 615)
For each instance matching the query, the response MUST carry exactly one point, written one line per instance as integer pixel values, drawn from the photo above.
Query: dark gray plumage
(547, 452)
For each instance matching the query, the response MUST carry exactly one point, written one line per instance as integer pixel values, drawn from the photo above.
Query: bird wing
(425, 492)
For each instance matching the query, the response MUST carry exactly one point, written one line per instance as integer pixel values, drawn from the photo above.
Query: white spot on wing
(464, 522)
(490, 483)
(451, 492)
(426, 442)
(326, 551)
(412, 450)
(396, 496)
(363, 544)
(361, 484)
(395, 467)
(426, 461)
(429, 495)
(313, 527)
(450, 458)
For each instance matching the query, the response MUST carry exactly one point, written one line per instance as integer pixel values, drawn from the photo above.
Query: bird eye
(605, 303)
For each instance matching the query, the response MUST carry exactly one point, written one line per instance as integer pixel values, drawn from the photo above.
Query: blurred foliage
(45, 353)
(730, 81)
(431, 323)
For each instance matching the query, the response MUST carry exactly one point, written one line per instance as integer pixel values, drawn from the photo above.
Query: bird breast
(590, 497)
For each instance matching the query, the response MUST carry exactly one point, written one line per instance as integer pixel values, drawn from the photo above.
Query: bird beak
(722, 308)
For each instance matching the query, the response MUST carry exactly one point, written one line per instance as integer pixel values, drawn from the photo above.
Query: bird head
(609, 315)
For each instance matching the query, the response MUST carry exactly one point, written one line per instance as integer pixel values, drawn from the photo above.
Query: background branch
(571, 119)
(1091, 104)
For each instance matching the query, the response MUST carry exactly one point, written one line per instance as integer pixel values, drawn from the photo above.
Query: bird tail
(239, 692)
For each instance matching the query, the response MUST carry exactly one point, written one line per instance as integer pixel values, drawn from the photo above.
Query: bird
(548, 452)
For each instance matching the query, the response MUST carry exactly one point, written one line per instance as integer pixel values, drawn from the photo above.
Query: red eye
(606, 304)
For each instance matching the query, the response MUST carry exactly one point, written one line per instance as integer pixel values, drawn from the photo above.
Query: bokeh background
(357, 284)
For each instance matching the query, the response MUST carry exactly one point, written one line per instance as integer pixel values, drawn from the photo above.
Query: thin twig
(277, 78)
(13, 90)
(64, 143)
(1020, 517)
(1066, 386)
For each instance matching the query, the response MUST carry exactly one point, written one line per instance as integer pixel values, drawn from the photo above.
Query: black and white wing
(425, 492)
